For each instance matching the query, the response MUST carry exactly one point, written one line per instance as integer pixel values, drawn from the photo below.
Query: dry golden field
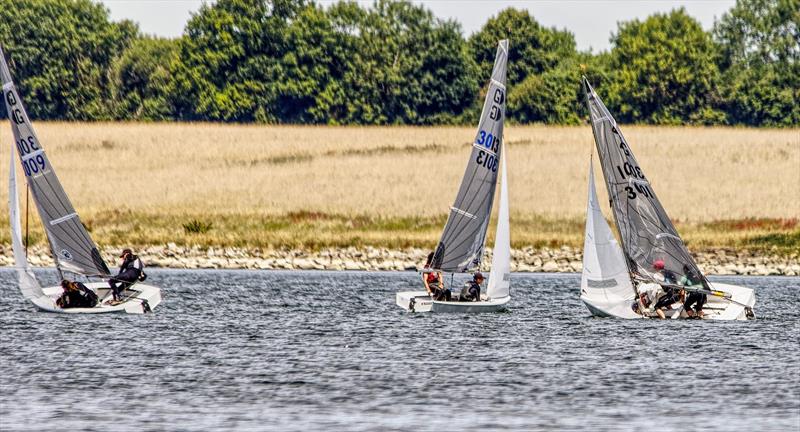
(312, 186)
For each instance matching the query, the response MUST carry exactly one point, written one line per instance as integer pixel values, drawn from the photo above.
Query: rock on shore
(564, 259)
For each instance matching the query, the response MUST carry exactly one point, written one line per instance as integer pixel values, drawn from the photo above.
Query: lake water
(270, 350)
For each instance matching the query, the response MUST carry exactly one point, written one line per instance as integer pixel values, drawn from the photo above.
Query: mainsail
(605, 274)
(73, 249)
(500, 277)
(646, 232)
(461, 246)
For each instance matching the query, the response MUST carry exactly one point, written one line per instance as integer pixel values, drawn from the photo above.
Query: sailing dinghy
(652, 255)
(71, 246)
(460, 248)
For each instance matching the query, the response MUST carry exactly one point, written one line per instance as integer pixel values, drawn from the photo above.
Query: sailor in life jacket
(76, 295)
(130, 271)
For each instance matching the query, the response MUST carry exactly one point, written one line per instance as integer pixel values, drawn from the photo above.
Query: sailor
(472, 289)
(434, 283)
(130, 271)
(76, 295)
(695, 298)
(671, 294)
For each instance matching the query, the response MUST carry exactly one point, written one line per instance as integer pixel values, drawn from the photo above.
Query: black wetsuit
(82, 298)
(471, 292)
(672, 294)
(696, 299)
(129, 272)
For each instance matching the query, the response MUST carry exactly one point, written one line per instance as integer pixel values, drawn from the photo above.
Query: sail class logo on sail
(461, 246)
(72, 247)
(652, 274)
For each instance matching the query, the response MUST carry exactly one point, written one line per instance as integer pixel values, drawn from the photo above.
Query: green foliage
(60, 52)
(140, 80)
(394, 62)
(759, 42)
(535, 52)
(664, 71)
(195, 226)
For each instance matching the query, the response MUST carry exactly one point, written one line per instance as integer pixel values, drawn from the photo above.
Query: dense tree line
(294, 61)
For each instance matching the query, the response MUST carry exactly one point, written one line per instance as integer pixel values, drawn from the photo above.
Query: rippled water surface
(239, 350)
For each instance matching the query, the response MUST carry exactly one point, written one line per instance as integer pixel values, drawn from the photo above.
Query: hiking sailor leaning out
(434, 284)
(130, 271)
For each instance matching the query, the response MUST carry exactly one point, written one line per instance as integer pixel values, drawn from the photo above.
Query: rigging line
(80, 237)
(473, 232)
(449, 229)
(27, 218)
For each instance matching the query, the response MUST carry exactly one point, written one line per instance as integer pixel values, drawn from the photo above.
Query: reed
(315, 186)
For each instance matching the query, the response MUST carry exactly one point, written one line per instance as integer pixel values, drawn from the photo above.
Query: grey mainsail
(461, 246)
(72, 247)
(646, 232)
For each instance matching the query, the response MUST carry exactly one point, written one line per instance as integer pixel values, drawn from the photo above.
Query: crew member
(129, 272)
(472, 289)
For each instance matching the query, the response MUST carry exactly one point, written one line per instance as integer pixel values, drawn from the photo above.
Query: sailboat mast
(610, 198)
(27, 218)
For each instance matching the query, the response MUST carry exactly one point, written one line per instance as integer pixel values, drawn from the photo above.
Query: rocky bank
(564, 259)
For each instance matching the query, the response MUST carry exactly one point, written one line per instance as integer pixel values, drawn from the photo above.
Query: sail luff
(499, 284)
(72, 247)
(605, 273)
(28, 285)
(652, 246)
(461, 245)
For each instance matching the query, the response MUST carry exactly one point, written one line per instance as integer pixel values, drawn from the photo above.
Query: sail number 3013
(491, 142)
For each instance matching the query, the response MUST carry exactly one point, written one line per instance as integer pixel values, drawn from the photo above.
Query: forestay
(500, 277)
(461, 246)
(71, 245)
(605, 274)
(646, 232)
(28, 284)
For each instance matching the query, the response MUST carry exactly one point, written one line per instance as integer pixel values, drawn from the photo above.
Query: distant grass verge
(316, 230)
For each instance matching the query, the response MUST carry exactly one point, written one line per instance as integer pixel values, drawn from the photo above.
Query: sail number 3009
(34, 164)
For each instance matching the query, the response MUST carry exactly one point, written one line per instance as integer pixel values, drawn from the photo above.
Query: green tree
(406, 66)
(664, 71)
(759, 42)
(535, 52)
(140, 80)
(60, 52)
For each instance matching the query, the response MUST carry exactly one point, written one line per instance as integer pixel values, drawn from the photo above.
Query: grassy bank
(312, 187)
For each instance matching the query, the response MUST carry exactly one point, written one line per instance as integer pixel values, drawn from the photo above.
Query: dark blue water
(240, 350)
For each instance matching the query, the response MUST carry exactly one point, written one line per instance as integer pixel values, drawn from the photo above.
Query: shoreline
(548, 260)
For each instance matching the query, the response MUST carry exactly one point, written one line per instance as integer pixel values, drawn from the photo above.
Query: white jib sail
(500, 276)
(28, 284)
(605, 276)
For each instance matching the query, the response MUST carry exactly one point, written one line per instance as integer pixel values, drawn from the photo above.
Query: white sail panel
(72, 247)
(460, 248)
(605, 275)
(500, 278)
(28, 284)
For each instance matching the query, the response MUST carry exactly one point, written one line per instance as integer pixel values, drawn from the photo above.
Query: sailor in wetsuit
(129, 272)
(671, 294)
(472, 289)
(695, 298)
(76, 295)
(433, 282)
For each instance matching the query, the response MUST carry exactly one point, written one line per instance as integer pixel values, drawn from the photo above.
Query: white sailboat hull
(136, 297)
(715, 309)
(420, 301)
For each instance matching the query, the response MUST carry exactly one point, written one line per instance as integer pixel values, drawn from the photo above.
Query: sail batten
(461, 245)
(647, 234)
(72, 247)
